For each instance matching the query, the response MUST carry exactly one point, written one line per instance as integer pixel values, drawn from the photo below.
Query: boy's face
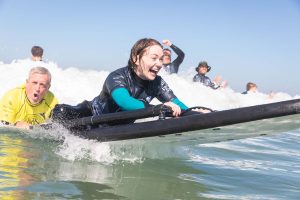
(166, 57)
(202, 70)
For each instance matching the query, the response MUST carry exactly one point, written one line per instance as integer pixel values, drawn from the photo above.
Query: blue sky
(243, 41)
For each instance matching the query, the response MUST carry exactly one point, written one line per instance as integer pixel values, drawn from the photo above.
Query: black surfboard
(189, 122)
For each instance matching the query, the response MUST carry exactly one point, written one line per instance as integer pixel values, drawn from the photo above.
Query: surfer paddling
(30, 103)
(129, 88)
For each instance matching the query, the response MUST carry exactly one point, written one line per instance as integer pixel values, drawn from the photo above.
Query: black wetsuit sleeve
(196, 78)
(165, 94)
(114, 80)
(205, 81)
(213, 85)
(180, 56)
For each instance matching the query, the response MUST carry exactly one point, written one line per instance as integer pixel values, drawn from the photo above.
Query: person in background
(201, 77)
(129, 88)
(37, 53)
(250, 88)
(30, 103)
(168, 66)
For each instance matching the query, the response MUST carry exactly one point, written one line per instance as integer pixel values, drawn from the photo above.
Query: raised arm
(180, 55)
(174, 66)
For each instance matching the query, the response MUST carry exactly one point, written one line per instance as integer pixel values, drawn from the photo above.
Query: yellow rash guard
(15, 106)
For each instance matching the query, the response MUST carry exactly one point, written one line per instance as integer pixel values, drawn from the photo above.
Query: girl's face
(150, 63)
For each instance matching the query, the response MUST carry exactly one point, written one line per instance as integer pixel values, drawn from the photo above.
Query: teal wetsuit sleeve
(180, 104)
(126, 102)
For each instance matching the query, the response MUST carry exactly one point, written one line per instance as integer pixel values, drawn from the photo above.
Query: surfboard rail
(191, 122)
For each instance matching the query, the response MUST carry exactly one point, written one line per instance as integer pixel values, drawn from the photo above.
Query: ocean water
(255, 160)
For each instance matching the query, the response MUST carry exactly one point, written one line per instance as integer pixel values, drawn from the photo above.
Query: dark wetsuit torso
(140, 89)
(174, 66)
(205, 81)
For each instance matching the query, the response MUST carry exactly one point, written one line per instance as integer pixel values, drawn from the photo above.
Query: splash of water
(73, 85)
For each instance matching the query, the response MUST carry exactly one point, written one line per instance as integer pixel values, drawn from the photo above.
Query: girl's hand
(175, 108)
(202, 110)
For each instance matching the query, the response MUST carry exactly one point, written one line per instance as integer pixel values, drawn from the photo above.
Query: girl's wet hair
(139, 49)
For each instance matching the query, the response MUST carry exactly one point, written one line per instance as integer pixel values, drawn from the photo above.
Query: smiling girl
(134, 86)
(129, 88)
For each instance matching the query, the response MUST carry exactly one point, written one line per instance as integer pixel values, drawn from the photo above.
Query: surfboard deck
(191, 122)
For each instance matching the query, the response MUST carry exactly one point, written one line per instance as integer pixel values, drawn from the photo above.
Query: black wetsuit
(174, 66)
(205, 81)
(142, 90)
(123, 78)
